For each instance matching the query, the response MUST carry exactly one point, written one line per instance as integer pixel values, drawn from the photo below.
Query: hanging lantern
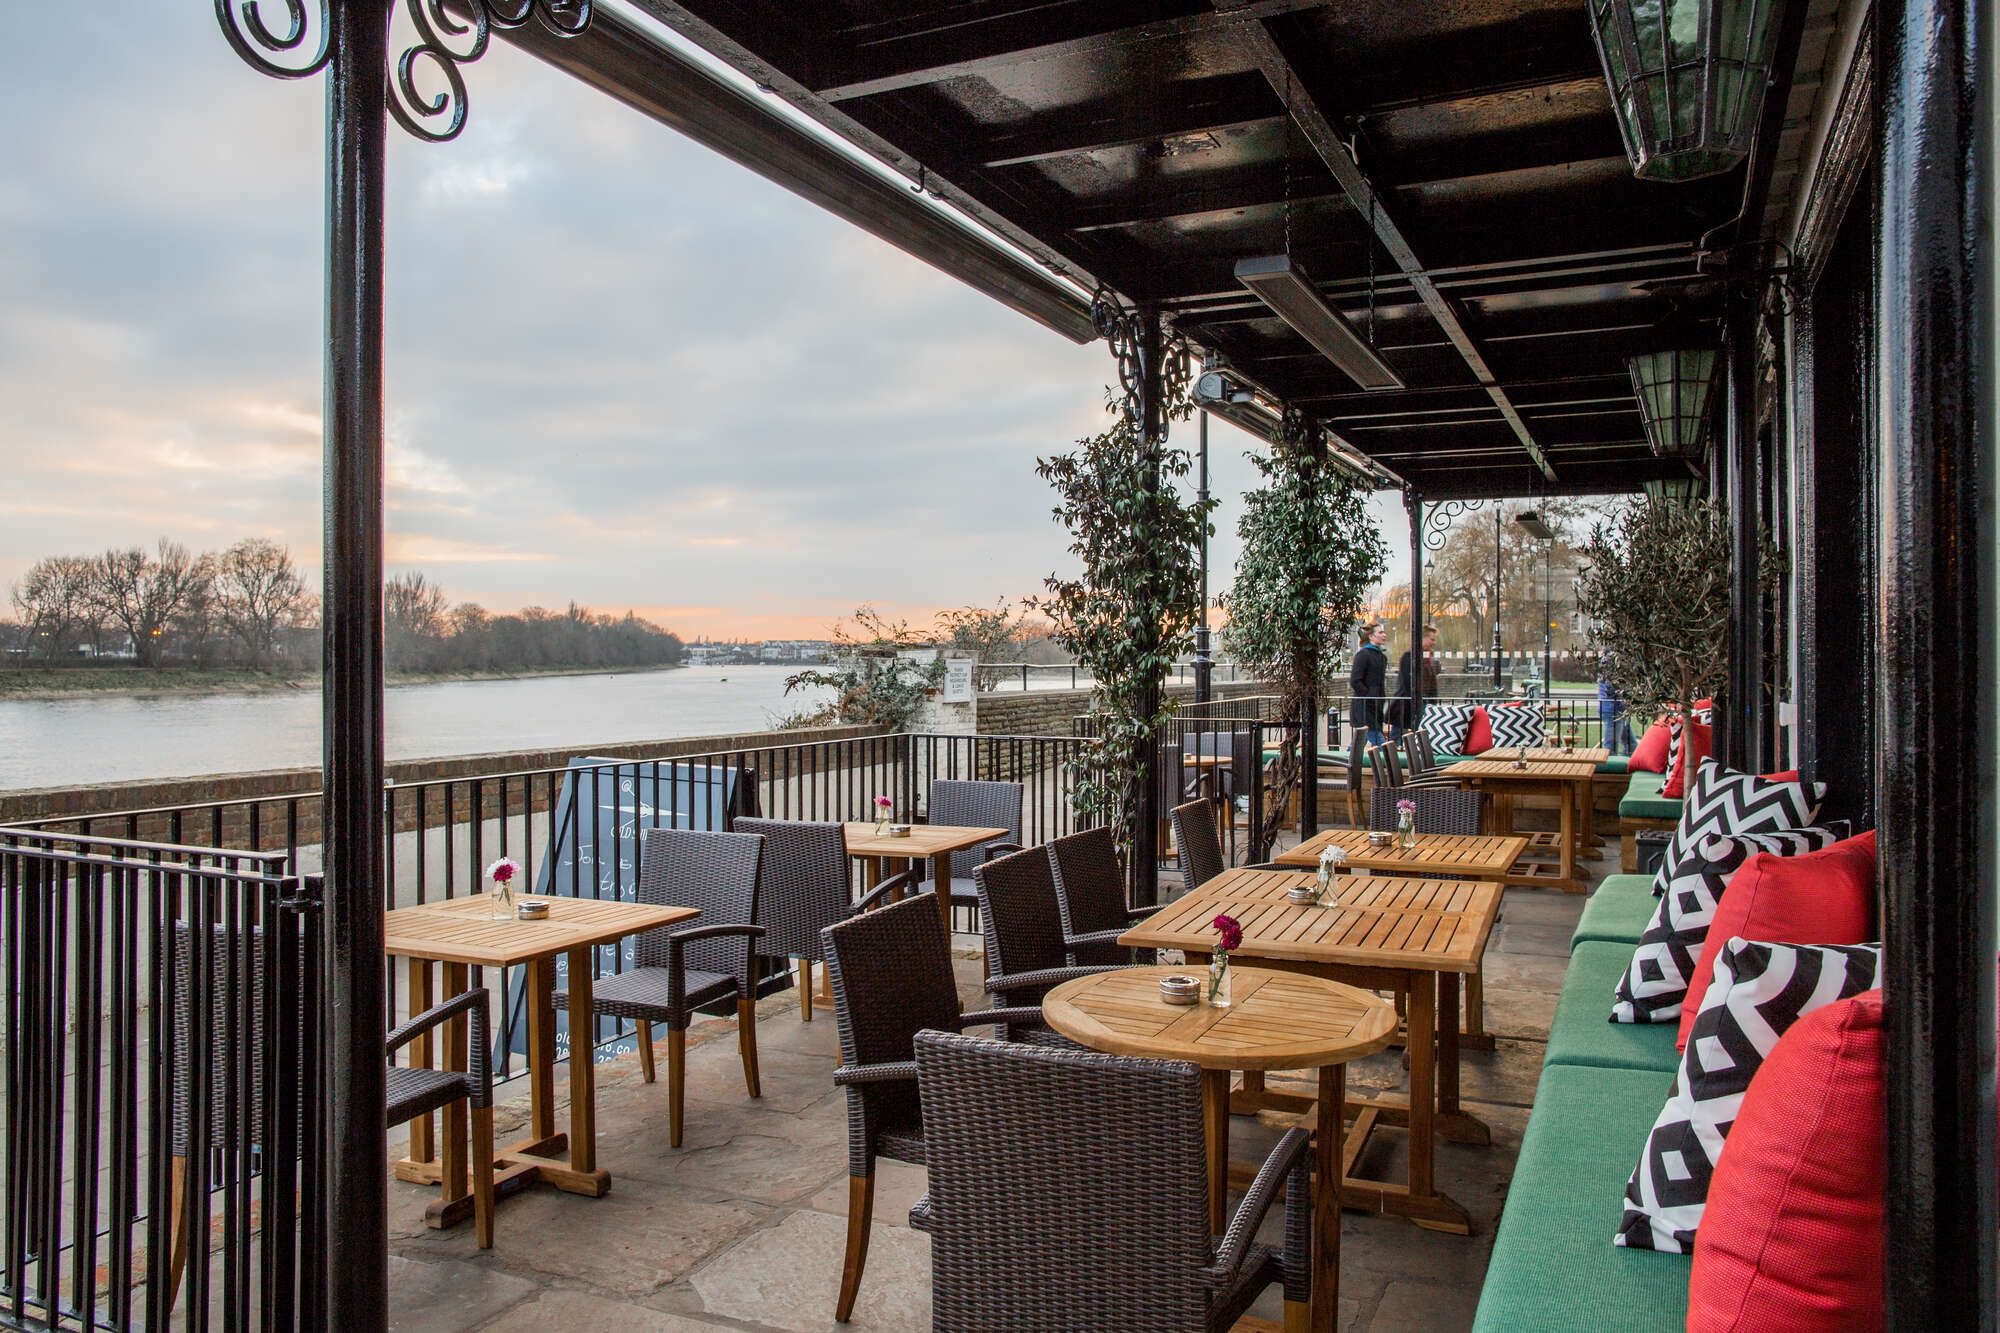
(1674, 389)
(1687, 79)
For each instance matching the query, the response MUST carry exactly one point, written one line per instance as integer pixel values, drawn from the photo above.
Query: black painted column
(1312, 459)
(1936, 696)
(351, 757)
(1415, 506)
(1204, 665)
(1152, 433)
(1741, 724)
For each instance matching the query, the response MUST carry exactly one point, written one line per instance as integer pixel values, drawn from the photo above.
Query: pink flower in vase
(502, 872)
(1406, 807)
(884, 804)
(1229, 932)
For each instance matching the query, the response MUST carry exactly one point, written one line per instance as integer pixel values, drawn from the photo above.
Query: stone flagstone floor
(743, 1227)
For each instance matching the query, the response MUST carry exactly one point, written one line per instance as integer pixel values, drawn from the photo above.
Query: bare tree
(260, 594)
(55, 601)
(147, 594)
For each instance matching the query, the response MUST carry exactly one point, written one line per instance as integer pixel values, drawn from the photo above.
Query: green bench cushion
(1554, 1268)
(1617, 763)
(1583, 1033)
(1618, 912)
(1642, 799)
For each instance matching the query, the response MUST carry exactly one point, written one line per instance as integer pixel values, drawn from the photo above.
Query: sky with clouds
(621, 369)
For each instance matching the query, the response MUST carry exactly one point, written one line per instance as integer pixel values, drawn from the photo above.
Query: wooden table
(1277, 1020)
(1578, 754)
(462, 933)
(1417, 936)
(926, 842)
(1567, 780)
(1476, 856)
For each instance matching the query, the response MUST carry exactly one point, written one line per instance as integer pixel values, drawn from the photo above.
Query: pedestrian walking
(1613, 723)
(1368, 683)
(1401, 715)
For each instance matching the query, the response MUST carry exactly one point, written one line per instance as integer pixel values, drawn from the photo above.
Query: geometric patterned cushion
(1447, 725)
(1758, 992)
(1656, 982)
(1516, 726)
(1721, 800)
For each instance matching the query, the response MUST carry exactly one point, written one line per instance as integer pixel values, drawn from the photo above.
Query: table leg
(1423, 1079)
(1215, 1120)
(941, 877)
(1327, 1169)
(541, 1049)
(422, 1145)
(582, 1068)
(1568, 839)
(1453, 1124)
(456, 1186)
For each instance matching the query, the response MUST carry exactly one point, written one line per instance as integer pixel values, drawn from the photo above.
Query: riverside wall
(1050, 712)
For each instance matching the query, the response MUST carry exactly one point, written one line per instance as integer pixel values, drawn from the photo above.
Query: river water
(67, 742)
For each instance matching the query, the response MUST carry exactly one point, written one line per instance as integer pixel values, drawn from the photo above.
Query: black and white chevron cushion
(1656, 981)
(1721, 800)
(1702, 716)
(1447, 725)
(1758, 992)
(1516, 726)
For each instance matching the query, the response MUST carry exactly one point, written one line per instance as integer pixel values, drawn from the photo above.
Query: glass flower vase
(503, 900)
(1406, 833)
(1218, 981)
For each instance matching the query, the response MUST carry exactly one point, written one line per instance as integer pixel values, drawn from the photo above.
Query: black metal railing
(161, 1086)
(575, 830)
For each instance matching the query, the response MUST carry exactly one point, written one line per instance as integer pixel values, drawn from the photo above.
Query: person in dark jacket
(1368, 682)
(1399, 707)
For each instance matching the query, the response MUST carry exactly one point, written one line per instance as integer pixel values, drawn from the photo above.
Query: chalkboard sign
(603, 808)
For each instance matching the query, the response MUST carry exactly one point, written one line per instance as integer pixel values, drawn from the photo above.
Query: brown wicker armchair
(1201, 849)
(892, 978)
(682, 968)
(1090, 895)
(973, 805)
(1069, 1190)
(1025, 949)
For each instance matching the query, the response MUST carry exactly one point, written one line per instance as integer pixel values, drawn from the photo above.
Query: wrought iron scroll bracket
(1438, 520)
(1120, 328)
(441, 45)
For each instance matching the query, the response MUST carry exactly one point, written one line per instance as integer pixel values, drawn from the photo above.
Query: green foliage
(994, 634)
(876, 684)
(1657, 590)
(1311, 555)
(1130, 612)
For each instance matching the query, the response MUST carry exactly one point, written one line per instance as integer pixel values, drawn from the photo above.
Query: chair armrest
(1047, 976)
(993, 849)
(1090, 937)
(1141, 913)
(1292, 1157)
(921, 1217)
(693, 933)
(478, 1048)
(1026, 1015)
(901, 880)
(892, 1072)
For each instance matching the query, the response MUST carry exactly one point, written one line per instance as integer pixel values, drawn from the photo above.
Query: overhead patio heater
(1283, 286)
(1674, 388)
(1687, 79)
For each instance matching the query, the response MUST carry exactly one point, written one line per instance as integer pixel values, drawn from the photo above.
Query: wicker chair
(1439, 809)
(410, 1092)
(803, 890)
(1069, 1190)
(679, 969)
(974, 805)
(1025, 948)
(1386, 766)
(1090, 896)
(1419, 754)
(892, 978)
(1201, 850)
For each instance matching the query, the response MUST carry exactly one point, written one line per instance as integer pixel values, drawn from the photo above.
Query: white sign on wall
(958, 680)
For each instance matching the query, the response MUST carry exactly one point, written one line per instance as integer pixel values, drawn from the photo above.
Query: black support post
(1935, 699)
(1312, 457)
(1204, 665)
(357, 1217)
(1415, 505)
(1152, 437)
(1742, 727)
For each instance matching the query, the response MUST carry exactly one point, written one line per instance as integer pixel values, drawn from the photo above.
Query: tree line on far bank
(248, 606)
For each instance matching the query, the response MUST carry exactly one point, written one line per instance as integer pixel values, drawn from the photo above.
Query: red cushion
(1822, 897)
(1650, 754)
(1792, 1236)
(1479, 736)
(1697, 744)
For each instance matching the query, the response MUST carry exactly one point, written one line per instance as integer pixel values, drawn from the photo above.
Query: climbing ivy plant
(1310, 557)
(1129, 612)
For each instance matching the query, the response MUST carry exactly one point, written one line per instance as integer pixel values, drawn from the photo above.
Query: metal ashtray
(531, 909)
(1520, 763)
(1302, 895)
(900, 830)
(1380, 837)
(1180, 988)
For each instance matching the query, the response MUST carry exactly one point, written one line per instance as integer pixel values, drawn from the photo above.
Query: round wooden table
(1279, 1020)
